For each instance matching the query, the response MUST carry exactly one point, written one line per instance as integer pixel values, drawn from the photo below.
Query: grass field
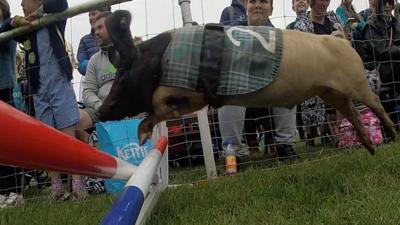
(344, 187)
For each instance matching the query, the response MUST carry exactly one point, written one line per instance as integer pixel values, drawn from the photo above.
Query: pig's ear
(125, 23)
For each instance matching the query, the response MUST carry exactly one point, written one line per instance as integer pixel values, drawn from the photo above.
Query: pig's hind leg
(345, 105)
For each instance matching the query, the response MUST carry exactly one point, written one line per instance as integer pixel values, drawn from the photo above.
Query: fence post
(202, 115)
(186, 13)
(162, 175)
(206, 142)
(55, 17)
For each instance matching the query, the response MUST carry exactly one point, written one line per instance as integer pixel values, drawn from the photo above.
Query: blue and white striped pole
(127, 208)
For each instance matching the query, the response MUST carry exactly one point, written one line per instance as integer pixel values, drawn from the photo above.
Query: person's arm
(341, 14)
(90, 86)
(225, 18)
(290, 26)
(6, 26)
(82, 66)
(54, 6)
(82, 57)
(378, 46)
(361, 24)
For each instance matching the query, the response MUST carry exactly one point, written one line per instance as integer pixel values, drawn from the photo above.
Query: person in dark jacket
(381, 50)
(397, 11)
(230, 118)
(88, 45)
(7, 58)
(235, 14)
(366, 13)
(10, 179)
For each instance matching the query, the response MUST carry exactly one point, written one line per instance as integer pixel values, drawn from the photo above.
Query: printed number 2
(269, 46)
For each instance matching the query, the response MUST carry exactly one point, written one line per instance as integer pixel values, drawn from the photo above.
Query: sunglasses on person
(391, 2)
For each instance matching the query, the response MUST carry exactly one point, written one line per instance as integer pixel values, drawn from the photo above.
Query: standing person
(49, 73)
(7, 57)
(382, 51)
(231, 118)
(350, 20)
(235, 14)
(88, 45)
(258, 120)
(397, 11)
(300, 7)
(258, 13)
(314, 113)
(10, 181)
(366, 13)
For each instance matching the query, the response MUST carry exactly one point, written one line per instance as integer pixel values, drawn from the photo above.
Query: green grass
(343, 187)
(43, 212)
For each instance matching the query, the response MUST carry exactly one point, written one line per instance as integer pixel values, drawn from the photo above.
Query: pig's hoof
(143, 136)
(393, 136)
(371, 149)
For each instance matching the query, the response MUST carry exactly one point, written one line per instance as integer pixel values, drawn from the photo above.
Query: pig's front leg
(162, 112)
(146, 128)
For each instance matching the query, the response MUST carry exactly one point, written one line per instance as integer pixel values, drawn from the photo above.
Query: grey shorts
(55, 102)
(92, 113)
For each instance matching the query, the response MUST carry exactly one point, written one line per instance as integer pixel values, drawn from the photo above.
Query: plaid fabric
(251, 59)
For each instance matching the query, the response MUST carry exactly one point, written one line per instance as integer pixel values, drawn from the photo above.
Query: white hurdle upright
(202, 115)
(127, 208)
(161, 175)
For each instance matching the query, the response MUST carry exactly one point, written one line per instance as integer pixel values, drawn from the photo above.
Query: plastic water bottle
(230, 159)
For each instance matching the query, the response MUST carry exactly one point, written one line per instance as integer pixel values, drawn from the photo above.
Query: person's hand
(339, 34)
(351, 20)
(35, 15)
(19, 21)
(339, 31)
(354, 25)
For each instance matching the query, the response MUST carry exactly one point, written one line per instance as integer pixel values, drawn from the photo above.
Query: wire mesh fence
(186, 158)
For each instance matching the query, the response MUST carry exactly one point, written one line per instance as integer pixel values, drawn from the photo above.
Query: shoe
(326, 140)
(12, 200)
(78, 190)
(286, 153)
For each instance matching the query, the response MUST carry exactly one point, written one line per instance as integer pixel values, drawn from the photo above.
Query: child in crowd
(49, 74)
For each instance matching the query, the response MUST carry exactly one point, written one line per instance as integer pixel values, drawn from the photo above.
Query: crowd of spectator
(373, 33)
(43, 70)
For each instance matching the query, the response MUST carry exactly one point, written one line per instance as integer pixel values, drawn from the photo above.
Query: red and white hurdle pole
(28, 143)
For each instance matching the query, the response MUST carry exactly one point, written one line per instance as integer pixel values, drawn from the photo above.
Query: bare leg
(76, 179)
(84, 123)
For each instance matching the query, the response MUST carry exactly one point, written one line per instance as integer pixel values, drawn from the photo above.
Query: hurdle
(126, 209)
(25, 142)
